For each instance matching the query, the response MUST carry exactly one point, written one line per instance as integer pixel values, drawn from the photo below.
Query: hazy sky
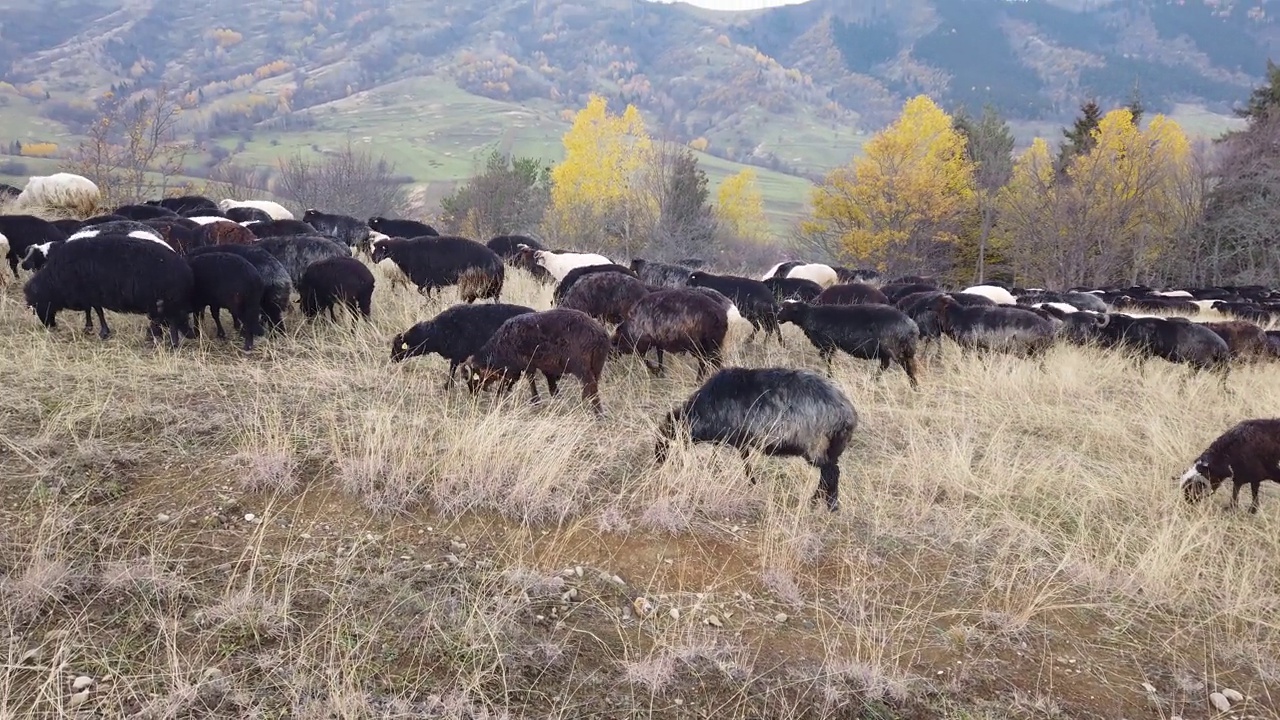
(737, 4)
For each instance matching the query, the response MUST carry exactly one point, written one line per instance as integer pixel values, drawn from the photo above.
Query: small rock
(406, 557)
(458, 545)
(679, 701)
(1233, 696)
(674, 613)
(642, 607)
(570, 595)
(163, 518)
(81, 683)
(1220, 701)
(1149, 688)
(249, 517)
(714, 621)
(30, 656)
(453, 559)
(78, 699)
(781, 617)
(578, 571)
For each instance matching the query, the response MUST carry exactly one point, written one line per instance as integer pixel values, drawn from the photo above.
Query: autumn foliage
(740, 205)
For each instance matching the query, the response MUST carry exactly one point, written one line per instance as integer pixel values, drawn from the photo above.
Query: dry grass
(313, 531)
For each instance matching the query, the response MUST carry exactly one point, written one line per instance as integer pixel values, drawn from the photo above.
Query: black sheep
(281, 228)
(855, 275)
(401, 228)
(455, 334)
(1177, 340)
(67, 225)
(897, 291)
(179, 233)
(186, 203)
(275, 278)
(297, 252)
(576, 274)
(778, 411)
(867, 332)
(336, 280)
(675, 320)
(1247, 454)
(607, 297)
(223, 280)
(101, 219)
(554, 342)
(9, 192)
(346, 229)
(132, 228)
(116, 273)
(784, 288)
(244, 214)
(143, 212)
(508, 246)
(1003, 327)
(23, 231)
(437, 262)
(752, 297)
(661, 274)
(851, 294)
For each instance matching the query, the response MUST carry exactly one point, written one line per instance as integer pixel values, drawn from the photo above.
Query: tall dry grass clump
(315, 531)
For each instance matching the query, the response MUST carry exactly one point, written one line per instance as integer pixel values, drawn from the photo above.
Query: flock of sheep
(171, 259)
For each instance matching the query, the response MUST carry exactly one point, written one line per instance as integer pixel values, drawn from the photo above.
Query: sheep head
(1198, 481)
(480, 376)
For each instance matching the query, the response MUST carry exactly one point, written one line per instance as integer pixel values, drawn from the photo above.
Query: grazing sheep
(1240, 310)
(780, 270)
(1177, 340)
(824, 275)
(23, 231)
(275, 278)
(994, 293)
(1084, 301)
(177, 233)
(131, 228)
(346, 229)
(227, 232)
(867, 332)
(401, 228)
(116, 273)
(186, 204)
(455, 334)
(779, 411)
(437, 262)
(297, 252)
(508, 246)
(1157, 304)
(246, 215)
(67, 225)
(559, 264)
(1005, 328)
(851, 294)
(752, 297)
(661, 274)
(274, 209)
(554, 342)
(74, 194)
(573, 276)
(391, 272)
(855, 275)
(1245, 340)
(1247, 454)
(676, 320)
(785, 288)
(222, 280)
(143, 212)
(897, 291)
(281, 228)
(102, 220)
(336, 280)
(607, 297)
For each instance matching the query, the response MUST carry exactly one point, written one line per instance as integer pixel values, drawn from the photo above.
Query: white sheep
(822, 274)
(1064, 307)
(771, 271)
(61, 191)
(1175, 294)
(274, 209)
(559, 264)
(994, 293)
(1204, 305)
(208, 219)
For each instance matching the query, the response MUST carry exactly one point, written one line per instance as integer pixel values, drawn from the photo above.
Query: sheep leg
(1254, 486)
(216, 312)
(591, 393)
(533, 390)
(755, 328)
(746, 465)
(1235, 496)
(884, 365)
(826, 354)
(828, 486)
(553, 383)
(453, 367)
(13, 264)
(104, 332)
(88, 320)
(174, 334)
(661, 370)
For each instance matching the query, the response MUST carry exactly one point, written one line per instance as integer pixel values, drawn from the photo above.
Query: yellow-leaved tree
(598, 195)
(740, 205)
(1113, 214)
(900, 205)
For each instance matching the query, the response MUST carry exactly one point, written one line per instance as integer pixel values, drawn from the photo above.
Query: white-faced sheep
(68, 192)
(1247, 454)
(455, 334)
(274, 209)
(778, 411)
(554, 342)
(559, 264)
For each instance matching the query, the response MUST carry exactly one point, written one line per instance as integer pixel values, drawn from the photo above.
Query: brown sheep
(226, 233)
(1246, 341)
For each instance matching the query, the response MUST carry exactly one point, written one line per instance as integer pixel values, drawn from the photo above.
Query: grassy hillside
(200, 534)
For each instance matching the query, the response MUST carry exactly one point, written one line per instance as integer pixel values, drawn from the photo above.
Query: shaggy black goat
(186, 203)
(223, 280)
(607, 297)
(785, 288)
(275, 278)
(778, 411)
(867, 332)
(346, 229)
(281, 228)
(576, 274)
(336, 281)
(23, 231)
(752, 297)
(661, 274)
(297, 252)
(1247, 454)
(401, 228)
(675, 320)
(116, 273)
(437, 262)
(554, 342)
(455, 334)
(1003, 327)
(851, 294)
